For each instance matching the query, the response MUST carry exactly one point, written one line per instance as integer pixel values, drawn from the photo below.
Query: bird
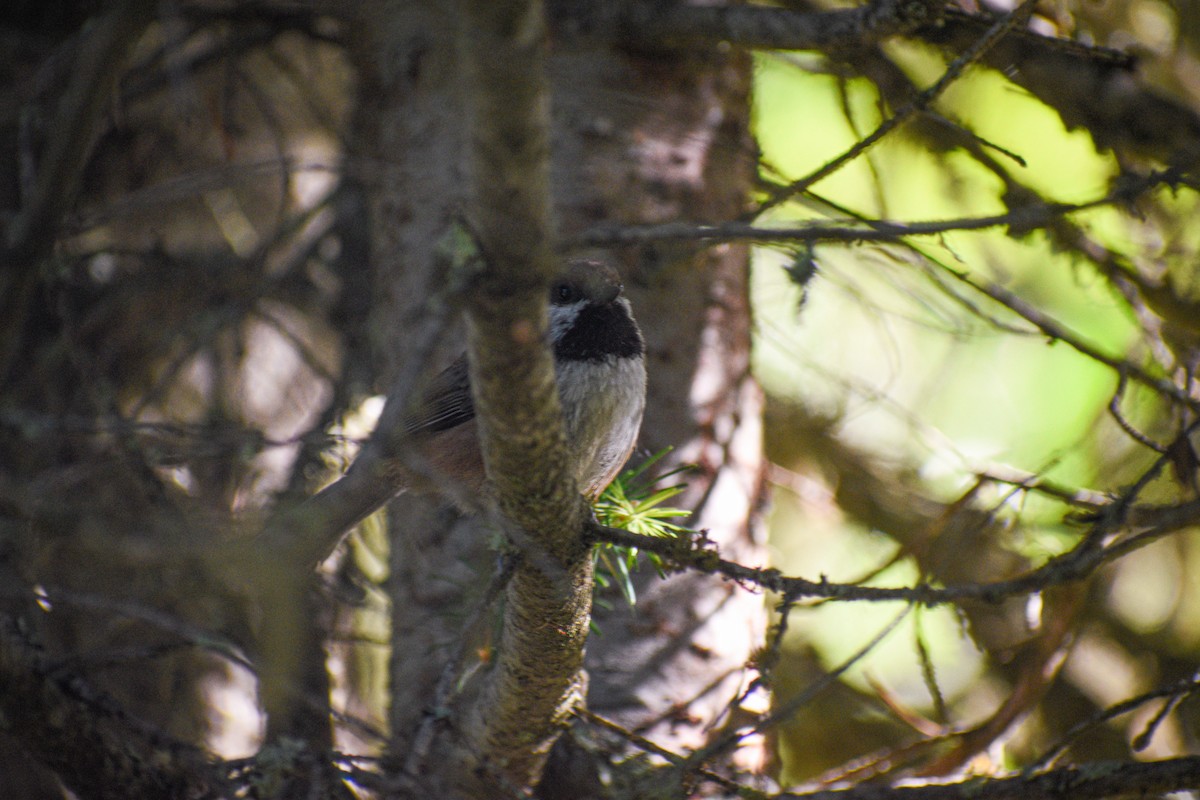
(600, 372)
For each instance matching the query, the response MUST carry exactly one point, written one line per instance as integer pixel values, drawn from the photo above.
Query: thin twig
(664, 25)
(998, 29)
(783, 711)
(1114, 409)
(1082, 782)
(444, 691)
(1050, 755)
(648, 746)
(1059, 332)
(1078, 563)
(72, 134)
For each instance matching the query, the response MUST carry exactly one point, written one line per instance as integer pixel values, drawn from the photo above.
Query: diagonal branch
(1001, 27)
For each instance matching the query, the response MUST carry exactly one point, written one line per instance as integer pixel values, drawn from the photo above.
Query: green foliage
(634, 503)
(941, 403)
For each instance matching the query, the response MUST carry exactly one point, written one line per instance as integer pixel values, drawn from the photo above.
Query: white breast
(602, 406)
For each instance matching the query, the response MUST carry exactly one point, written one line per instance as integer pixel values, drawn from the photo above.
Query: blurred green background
(885, 355)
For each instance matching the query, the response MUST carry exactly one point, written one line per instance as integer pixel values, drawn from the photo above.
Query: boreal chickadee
(600, 370)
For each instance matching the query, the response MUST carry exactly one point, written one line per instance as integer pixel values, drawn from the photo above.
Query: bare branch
(1056, 331)
(1076, 564)
(1104, 779)
(646, 24)
(785, 709)
(1170, 693)
(1026, 218)
(536, 682)
(94, 77)
(1003, 25)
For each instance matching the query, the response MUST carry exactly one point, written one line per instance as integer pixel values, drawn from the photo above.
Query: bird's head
(590, 320)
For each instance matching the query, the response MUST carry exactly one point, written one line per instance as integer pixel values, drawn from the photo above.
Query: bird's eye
(564, 293)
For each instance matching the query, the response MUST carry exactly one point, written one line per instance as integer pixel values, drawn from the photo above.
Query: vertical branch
(98, 65)
(535, 683)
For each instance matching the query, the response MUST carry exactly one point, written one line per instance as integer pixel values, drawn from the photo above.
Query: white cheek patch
(562, 318)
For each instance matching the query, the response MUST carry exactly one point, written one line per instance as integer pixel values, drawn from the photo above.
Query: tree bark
(637, 138)
(536, 683)
(408, 151)
(645, 137)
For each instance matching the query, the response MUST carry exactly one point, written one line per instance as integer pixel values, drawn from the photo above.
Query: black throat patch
(600, 332)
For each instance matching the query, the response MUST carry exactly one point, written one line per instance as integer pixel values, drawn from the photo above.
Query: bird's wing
(445, 403)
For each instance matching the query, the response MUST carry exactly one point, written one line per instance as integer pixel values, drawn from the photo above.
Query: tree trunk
(644, 138)
(637, 138)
